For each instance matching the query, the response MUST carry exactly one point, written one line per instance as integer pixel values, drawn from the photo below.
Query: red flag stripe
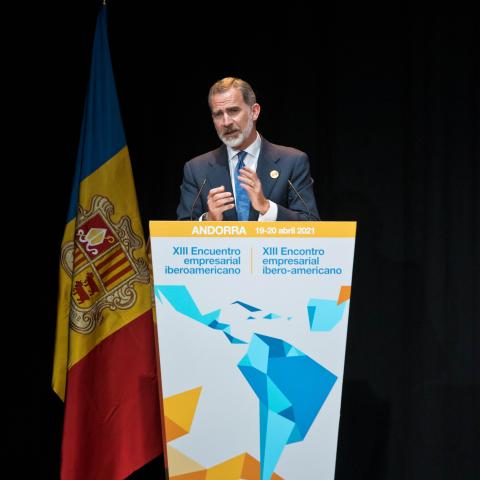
(107, 260)
(115, 388)
(118, 275)
(113, 267)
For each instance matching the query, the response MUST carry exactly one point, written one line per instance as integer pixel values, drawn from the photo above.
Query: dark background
(385, 102)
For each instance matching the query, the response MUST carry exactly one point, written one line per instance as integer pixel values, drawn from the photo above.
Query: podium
(252, 324)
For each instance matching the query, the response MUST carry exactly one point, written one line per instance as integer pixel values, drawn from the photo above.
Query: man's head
(234, 111)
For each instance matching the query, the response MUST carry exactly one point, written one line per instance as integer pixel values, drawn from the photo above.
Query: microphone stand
(197, 197)
(301, 198)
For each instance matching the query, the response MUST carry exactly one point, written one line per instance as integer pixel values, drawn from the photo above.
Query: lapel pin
(274, 174)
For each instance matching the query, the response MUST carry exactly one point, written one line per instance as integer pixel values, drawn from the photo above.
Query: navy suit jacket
(211, 170)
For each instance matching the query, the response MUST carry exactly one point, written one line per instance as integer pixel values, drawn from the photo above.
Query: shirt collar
(253, 149)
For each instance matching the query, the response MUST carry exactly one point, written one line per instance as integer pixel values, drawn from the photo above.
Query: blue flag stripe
(102, 134)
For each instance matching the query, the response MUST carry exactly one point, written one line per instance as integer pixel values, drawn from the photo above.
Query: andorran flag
(105, 362)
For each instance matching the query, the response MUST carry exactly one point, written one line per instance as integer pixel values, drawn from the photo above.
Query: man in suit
(247, 178)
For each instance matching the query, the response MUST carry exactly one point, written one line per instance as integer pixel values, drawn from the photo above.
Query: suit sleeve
(188, 193)
(301, 206)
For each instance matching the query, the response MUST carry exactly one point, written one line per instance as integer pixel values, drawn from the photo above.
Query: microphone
(197, 197)
(301, 198)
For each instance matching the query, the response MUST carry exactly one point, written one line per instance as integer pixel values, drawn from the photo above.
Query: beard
(239, 137)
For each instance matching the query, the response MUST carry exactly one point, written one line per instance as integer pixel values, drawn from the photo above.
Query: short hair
(227, 83)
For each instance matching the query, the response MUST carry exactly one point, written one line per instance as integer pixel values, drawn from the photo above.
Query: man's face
(233, 118)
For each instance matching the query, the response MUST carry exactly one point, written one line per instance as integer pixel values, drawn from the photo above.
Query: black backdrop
(385, 103)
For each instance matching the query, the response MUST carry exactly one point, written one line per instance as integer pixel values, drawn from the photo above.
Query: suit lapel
(267, 162)
(219, 174)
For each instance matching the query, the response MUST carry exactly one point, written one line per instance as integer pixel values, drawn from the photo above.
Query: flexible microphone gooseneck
(301, 198)
(197, 197)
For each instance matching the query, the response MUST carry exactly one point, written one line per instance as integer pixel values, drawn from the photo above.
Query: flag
(104, 361)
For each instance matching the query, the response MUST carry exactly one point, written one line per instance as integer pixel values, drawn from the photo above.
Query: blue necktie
(242, 200)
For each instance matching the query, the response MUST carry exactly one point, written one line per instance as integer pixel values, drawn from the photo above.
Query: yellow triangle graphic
(179, 410)
(344, 294)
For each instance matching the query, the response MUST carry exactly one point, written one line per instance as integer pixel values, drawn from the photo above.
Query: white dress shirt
(250, 161)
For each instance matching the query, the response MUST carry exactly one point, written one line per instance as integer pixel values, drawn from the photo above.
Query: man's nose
(227, 120)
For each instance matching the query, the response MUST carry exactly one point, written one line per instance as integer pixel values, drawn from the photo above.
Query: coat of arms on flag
(102, 261)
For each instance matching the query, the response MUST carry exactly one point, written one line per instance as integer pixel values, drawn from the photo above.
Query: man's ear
(255, 111)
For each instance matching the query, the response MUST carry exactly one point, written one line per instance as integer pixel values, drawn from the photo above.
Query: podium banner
(252, 324)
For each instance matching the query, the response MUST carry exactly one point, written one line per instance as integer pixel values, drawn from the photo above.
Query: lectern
(252, 324)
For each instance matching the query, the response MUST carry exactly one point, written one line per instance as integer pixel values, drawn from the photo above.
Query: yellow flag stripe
(71, 346)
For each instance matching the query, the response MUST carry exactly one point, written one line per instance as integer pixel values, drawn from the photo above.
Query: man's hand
(252, 184)
(219, 201)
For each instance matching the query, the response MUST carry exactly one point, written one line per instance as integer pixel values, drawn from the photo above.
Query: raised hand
(252, 184)
(219, 201)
